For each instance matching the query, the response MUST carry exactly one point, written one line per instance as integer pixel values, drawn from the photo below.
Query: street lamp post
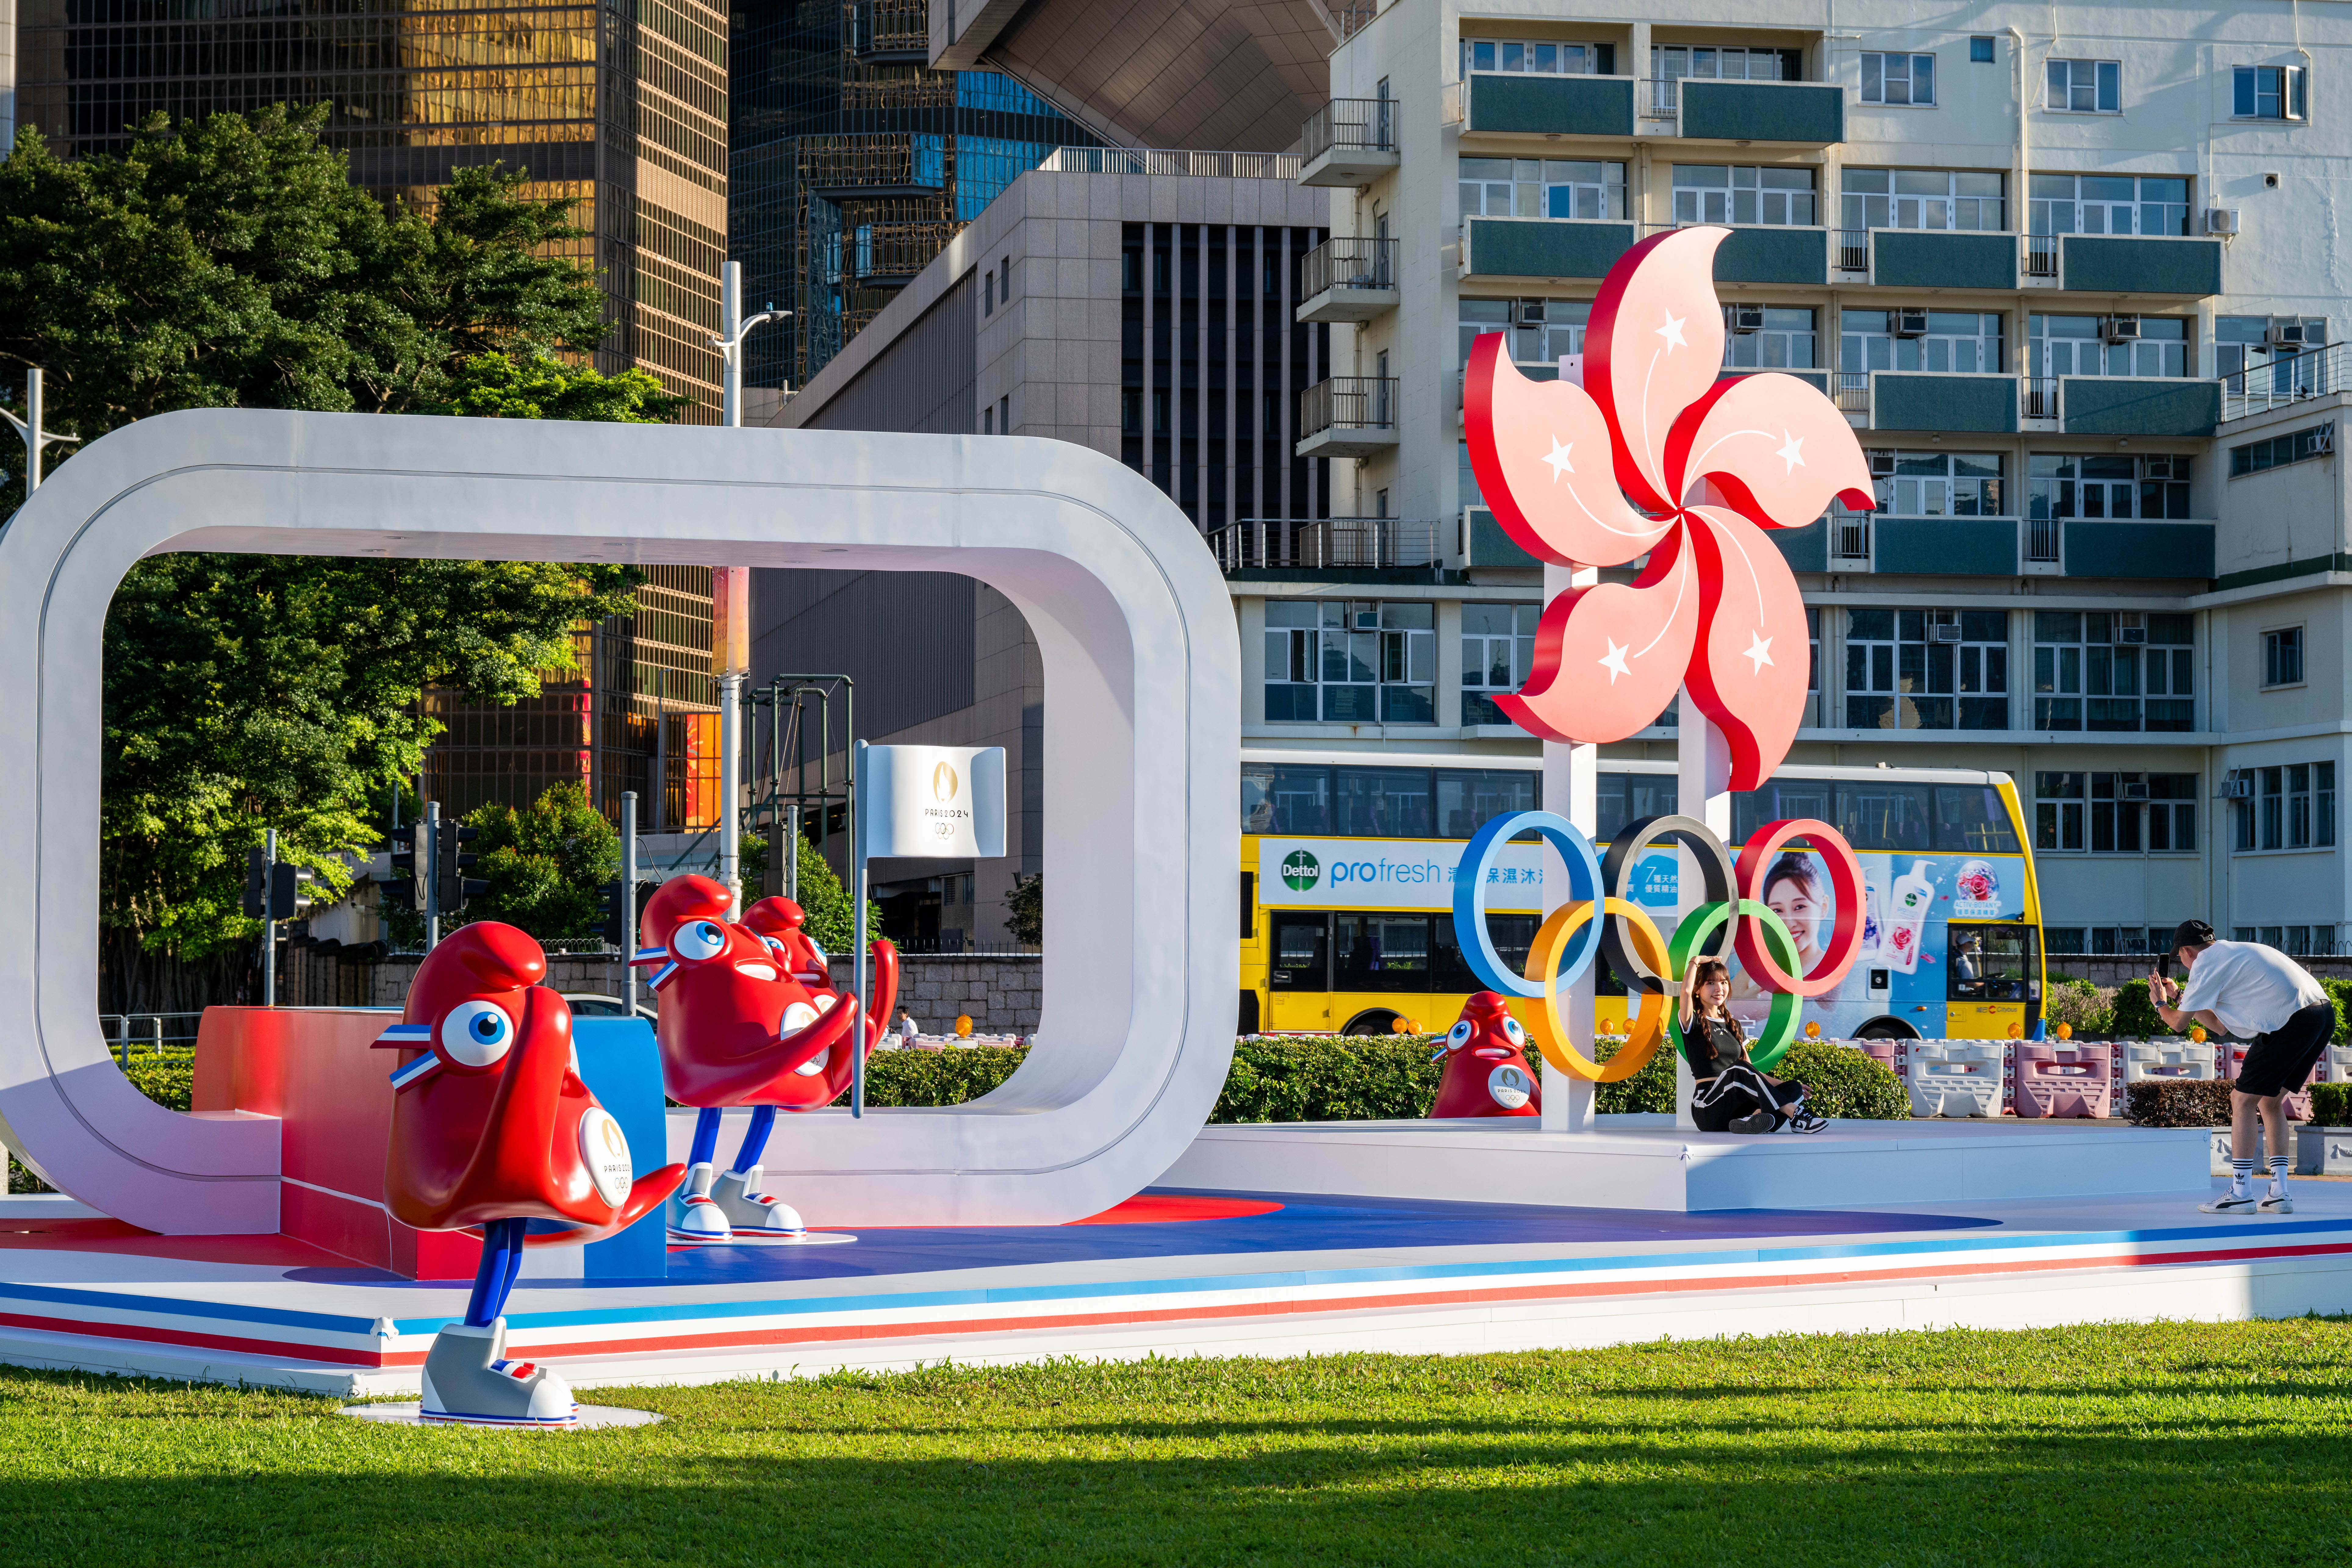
(730, 606)
(30, 427)
(733, 328)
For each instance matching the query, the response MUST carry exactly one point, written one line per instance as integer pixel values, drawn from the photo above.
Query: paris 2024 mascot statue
(1486, 1069)
(749, 1014)
(492, 1126)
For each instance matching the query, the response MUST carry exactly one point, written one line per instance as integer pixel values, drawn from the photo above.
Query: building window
(1498, 646)
(2277, 451)
(1354, 662)
(2108, 203)
(1004, 272)
(1938, 484)
(1541, 331)
(1769, 337)
(2085, 86)
(1671, 62)
(1898, 78)
(1963, 340)
(1717, 193)
(1130, 411)
(1981, 51)
(1922, 198)
(2294, 808)
(2074, 485)
(2283, 657)
(1543, 59)
(2111, 671)
(2124, 814)
(1541, 187)
(2267, 92)
(988, 420)
(2096, 345)
(1004, 414)
(1926, 669)
(988, 292)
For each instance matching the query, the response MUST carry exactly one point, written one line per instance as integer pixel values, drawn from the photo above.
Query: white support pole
(730, 657)
(1703, 790)
(730, 324)
(629, 901)
(1571, 784)
(857, 923)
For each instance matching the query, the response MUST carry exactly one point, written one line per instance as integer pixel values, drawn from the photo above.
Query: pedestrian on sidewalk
(2260, 994)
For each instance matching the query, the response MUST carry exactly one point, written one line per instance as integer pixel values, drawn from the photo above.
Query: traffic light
(257, 882)
(453, 889)
(409, 871)
(618, 922)
(287, 899)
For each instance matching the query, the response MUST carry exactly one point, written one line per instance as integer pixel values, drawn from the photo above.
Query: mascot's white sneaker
(701, 1222)
(469, 1381)
(756, 1216)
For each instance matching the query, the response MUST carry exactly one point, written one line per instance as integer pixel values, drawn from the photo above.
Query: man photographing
(2259, 994)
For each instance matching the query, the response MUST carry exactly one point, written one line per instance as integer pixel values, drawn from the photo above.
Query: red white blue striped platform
(1175, 1274)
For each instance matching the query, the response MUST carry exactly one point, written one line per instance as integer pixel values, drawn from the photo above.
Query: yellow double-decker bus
(1347, 889)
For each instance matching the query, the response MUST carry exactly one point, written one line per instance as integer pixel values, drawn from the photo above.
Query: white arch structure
(1141, 745)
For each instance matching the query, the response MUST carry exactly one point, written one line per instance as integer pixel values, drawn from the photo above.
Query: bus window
(1630, 797)
(1385, 803)
(1778, 801)
(1972, 817)
(1380, 952)
(1511, 934)
(1874, 815)
(1467, 798)
(1990, 964)
(1286, 800)
(1302, 954)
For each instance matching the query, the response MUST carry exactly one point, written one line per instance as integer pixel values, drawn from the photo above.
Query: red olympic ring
(1756, 859)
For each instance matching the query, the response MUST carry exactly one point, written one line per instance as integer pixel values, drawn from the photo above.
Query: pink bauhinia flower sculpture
(1659, 452)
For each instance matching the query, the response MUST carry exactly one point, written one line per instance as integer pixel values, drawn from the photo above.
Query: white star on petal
(1673, 332)
(1614, 661)
(1793, 453)
(1559, 459)
(1759, 651)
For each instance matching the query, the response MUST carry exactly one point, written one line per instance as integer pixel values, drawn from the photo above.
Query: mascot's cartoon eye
(822, 961)
(1459, 1034)
(476, 1034)
(1511, 1027)
(699, 939)
(774, 945)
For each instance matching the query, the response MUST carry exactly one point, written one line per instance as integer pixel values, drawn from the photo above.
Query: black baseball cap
(2190, 933)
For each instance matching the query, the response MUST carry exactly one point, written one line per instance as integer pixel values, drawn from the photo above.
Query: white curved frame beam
(1142, 740)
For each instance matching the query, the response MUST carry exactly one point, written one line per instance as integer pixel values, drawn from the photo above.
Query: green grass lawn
(2172, 1444)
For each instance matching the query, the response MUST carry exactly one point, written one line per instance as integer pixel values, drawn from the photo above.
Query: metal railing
(1661, 99)
(1852, 249)
(1357, 402)
(2038, 398)
(1327, 541)
(883, 29)
(2042, 540)
(1349, 125)
(869, 163)
(2287, 379)
(1171, 161)
(1851, 392)
(1342, 262)
(897, 251)
(150, 1035)
(1850, 536)
(2039, 256)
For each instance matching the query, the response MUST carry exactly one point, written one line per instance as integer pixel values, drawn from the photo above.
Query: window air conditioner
(2284, 334)
(1944, 632)
(1529, 312)
(2220, 220)
(1910, 323)
(2120, 329)
(1746, 318)
(1882, 463)
(2237, 785)
(1368, 620)
(2131, 626)
(2323, 439)
(2135, 789)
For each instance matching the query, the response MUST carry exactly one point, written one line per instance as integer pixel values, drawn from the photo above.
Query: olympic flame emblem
(1656, 452)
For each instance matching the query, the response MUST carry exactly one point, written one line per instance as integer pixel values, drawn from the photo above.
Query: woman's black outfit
(1729, 1091)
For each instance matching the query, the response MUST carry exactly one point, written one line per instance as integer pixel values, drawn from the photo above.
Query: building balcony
(1480, 540)
(1497, 103)
(1555, 249)
(1764, 253)
(1999, 262)
(2126, 264)
(1793, 113)
(1946, 403)
(1929, 258)
(1182, 163)
(1348, 142)
(1327, 544)
(1348, 279)
(2000, 547)
(2284, 382)
(1348, 417)
(890, 32)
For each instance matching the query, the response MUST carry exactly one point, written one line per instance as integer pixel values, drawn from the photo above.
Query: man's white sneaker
(2277, 1203)
(2229, 1202)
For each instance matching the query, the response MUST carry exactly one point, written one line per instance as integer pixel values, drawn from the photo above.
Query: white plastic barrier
(2335, 1066)
(2176, 1059)
(1955, 1077)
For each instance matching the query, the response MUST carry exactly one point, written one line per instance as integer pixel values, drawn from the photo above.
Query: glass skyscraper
(853, 163)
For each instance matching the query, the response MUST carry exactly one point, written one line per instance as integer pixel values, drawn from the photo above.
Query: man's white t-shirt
(2252, 989)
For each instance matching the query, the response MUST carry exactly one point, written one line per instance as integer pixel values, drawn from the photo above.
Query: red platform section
(315, 1069)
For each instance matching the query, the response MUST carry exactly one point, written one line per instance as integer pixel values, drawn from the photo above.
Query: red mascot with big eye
(749, 1015)
(1486, 1069)
(492, 1126)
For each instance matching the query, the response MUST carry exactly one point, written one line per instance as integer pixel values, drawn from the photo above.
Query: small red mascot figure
(491, 1126)
(748, 1015)
(1487, 1071)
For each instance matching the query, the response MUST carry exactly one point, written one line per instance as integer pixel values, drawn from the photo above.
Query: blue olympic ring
(1470, 900)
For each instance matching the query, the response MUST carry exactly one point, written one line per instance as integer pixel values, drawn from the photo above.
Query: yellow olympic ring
(1648, 1026)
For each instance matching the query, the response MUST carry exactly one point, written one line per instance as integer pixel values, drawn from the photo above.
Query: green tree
(1027, 921)
(825, 907)
(545, 863)
(540, 386)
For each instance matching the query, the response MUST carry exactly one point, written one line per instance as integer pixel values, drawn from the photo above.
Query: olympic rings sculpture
(1637, 951)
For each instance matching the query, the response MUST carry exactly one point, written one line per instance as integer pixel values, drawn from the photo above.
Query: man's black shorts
(2278, 1062)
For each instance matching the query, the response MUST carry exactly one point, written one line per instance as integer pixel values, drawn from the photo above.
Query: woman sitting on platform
(1730, 1095)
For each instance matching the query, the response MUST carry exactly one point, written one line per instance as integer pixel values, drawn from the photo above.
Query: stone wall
(2115, 969)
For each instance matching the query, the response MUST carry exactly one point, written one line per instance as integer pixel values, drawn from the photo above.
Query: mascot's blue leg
(494, 1280)
(755, 1140)
(706, 1137)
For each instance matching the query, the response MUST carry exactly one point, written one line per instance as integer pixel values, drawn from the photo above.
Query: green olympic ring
(1690, 936)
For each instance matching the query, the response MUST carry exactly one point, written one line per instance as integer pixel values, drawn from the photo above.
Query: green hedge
(2340, 992)
(2331, 1105)
(2135, 1015)
(1841, 1081)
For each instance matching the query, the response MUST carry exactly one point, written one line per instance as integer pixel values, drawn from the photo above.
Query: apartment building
(2076, 292)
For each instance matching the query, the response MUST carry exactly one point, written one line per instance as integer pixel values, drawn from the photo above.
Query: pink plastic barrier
(2055, 1082)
